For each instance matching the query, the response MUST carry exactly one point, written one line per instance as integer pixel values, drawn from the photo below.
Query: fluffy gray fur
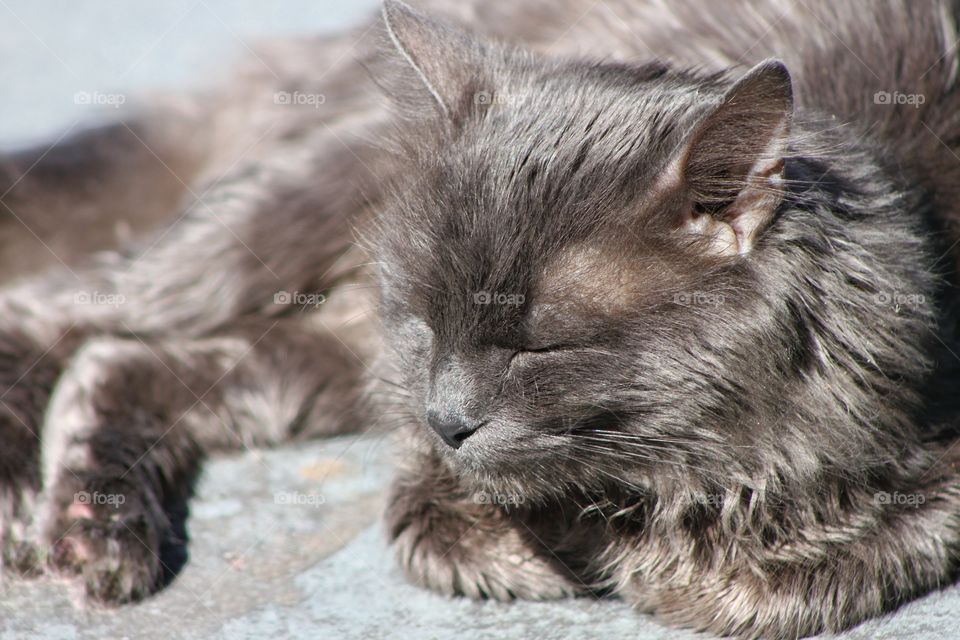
(682, 282)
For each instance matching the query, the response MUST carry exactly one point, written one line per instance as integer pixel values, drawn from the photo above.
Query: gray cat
(659, 300)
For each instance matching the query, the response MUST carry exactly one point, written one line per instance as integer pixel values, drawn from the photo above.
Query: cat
(658, 299)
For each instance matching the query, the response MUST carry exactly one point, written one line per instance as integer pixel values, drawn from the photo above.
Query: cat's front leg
(37, 336)
(119, 448)
(130, 422)
(459, 542)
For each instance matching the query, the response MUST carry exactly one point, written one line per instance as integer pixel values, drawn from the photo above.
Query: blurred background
(63, 61)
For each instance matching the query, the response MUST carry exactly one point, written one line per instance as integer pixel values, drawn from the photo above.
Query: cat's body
(681, 335)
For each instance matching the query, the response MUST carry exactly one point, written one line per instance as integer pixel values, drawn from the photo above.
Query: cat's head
(594, 271)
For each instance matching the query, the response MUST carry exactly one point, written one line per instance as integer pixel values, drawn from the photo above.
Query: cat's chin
(508, 477)
(508, 488)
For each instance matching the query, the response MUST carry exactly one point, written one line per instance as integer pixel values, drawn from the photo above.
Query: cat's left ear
(731, 167)
(433, 64)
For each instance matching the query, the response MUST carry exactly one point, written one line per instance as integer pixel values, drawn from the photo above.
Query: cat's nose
(453, 431)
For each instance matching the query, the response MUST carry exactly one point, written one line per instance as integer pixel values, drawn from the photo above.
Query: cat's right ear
(732, 164)
(432, 65)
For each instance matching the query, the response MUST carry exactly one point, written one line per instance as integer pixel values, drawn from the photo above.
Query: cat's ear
(432, 62)
(731, 167)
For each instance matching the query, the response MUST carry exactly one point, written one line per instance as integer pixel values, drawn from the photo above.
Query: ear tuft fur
(733, 163)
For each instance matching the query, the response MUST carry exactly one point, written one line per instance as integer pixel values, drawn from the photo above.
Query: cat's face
(560, 278)
(521, 356)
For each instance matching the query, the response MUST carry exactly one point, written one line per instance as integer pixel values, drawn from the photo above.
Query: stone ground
(286, 544)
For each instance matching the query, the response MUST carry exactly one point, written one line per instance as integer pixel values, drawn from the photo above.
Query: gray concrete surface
(284, 543)
(287, 544)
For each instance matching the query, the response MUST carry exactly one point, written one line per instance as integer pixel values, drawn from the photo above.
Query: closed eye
(550, 348)
(532, 352)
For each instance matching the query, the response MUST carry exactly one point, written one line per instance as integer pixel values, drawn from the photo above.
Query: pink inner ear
(736, 229)
(733, 161)
(719, 237)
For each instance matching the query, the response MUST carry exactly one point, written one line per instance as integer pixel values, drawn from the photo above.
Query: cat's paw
(475, 551)
(21, 556)
(19, 552)
(114, 550)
